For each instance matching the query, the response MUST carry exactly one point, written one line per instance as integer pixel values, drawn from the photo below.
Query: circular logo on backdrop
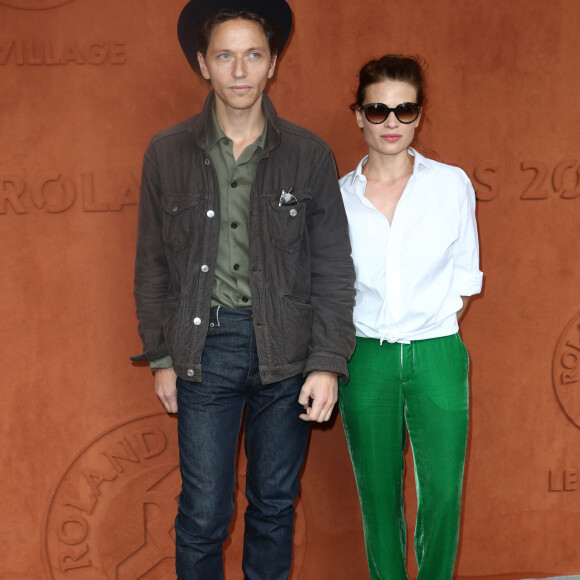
(34, 4)
(566, 370)
(112, 513)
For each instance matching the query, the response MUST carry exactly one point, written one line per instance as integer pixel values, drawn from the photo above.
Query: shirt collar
(418, 162)
(357, 176)
(215, 132)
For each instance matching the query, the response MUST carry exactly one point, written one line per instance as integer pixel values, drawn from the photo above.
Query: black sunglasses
(376, 113)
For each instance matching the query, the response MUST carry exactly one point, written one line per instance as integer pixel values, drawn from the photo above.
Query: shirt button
(210, 213)
(234, 226)
(244, 299)
(190, 372)
(197, 321)
(207, 162)
(293, 213)
(226, 141)
(236, 267)
(205, 268)
(234, 184)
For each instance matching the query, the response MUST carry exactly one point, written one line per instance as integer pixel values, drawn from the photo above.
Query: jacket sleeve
(151, 268)
(332, 274)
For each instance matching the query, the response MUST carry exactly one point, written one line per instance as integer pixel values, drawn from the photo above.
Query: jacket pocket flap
(174, 204)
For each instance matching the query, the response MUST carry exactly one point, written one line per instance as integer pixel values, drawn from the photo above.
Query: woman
(415, 249)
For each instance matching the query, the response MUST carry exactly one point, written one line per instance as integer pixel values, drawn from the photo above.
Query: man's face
(238, 63)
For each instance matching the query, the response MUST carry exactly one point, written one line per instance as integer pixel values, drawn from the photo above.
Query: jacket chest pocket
(287, 221)
(180, 214)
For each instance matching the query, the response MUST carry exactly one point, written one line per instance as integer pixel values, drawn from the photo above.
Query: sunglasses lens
(407, 112)
(376, 113)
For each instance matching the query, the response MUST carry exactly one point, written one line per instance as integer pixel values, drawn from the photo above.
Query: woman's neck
(381, 167)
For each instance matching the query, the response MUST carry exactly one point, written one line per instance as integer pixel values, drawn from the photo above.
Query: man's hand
(166, 389)
(322, 388)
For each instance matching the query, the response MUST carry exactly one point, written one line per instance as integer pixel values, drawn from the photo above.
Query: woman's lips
(391, 138)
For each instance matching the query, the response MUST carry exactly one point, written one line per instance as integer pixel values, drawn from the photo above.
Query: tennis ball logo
(35, 4)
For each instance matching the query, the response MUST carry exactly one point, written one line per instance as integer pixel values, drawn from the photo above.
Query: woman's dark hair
(393, 67)
(268, 26)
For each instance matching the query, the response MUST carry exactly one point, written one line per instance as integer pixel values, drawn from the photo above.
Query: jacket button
(197, 321)
(190, 372)
(207, 162)
(205, 268)
(293, 213)
(174, 209)
(210, 213)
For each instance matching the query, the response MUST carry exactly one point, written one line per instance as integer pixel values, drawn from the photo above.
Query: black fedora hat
(196, 12)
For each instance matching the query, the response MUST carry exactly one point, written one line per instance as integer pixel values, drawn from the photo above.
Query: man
(244, 288)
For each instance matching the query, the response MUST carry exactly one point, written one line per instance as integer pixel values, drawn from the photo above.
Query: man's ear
(202, 66)
(272, 66)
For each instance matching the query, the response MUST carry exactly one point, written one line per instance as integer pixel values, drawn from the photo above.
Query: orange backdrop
(89, 459)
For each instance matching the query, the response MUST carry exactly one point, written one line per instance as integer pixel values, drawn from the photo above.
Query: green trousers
(421, 388)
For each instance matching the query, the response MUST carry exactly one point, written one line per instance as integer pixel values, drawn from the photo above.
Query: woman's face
(391, 137)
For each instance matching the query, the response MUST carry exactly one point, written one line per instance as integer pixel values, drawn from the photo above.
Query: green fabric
(165, 362)
(421, 387)
(235, 177)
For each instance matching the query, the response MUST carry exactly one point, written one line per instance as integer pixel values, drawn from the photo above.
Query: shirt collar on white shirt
(357, 175)
(420, 160)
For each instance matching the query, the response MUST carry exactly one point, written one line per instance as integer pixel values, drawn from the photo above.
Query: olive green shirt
(235, 177)
(231, 285)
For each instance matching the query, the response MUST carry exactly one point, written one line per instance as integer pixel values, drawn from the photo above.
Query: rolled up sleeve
(467, 277)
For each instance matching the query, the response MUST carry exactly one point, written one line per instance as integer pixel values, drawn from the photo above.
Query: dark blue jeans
(209, 418)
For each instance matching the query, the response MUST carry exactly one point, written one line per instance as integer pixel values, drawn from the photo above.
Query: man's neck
(242, 126)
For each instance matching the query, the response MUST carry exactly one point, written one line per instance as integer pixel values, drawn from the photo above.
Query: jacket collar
(200, 122)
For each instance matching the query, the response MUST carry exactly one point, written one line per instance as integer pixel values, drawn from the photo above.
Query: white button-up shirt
(411, 274)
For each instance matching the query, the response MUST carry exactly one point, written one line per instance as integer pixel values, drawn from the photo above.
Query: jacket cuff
(152, 354)
(327, 362)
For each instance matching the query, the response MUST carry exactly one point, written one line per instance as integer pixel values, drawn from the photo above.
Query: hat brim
(196, 12)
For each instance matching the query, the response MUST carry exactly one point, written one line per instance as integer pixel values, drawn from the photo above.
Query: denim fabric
(209, 418)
